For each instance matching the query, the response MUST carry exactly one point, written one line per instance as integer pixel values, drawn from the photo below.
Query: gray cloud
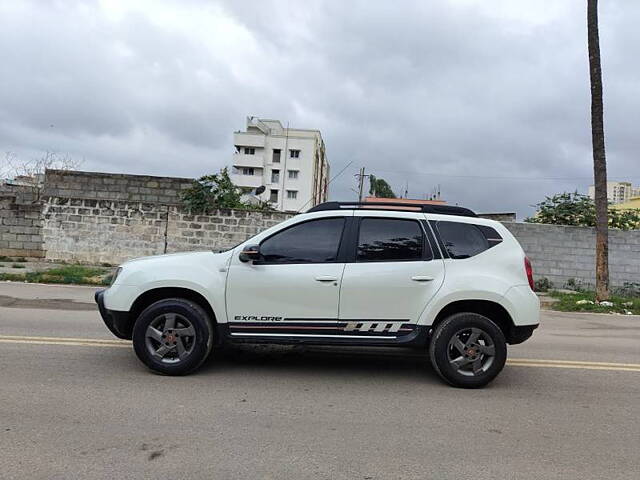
(489, 103)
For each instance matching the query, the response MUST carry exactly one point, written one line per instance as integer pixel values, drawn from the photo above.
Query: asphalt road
(76, 403)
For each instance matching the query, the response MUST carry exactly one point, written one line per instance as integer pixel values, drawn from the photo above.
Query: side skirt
(323, 334)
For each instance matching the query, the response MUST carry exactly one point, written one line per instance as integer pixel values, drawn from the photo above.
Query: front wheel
(468, 350)
(173, 336)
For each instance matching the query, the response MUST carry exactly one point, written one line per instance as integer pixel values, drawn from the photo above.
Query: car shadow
(321, 360)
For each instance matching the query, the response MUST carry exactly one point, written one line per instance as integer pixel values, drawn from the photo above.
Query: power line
(328, 183)
(492, 177)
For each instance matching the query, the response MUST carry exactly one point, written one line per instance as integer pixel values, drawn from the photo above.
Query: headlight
(115, 275)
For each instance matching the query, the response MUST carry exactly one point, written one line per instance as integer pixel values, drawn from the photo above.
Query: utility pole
(361, 176)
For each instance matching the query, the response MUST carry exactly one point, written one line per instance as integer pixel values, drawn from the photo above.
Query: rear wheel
(468, 350)
(173, 336)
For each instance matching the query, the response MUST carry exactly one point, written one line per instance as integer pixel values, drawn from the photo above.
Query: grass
(68, 274)
(567, 303)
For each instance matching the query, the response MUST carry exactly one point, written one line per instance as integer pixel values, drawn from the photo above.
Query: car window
(462, 240)
(389, 240)
(315, 241)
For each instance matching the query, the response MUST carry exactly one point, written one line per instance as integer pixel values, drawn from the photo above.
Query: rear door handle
(326, 278)
(422, 278)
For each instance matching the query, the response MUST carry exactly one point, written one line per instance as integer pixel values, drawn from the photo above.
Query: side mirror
(250, 253)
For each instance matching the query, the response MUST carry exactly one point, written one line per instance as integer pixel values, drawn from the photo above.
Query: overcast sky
(487, 98)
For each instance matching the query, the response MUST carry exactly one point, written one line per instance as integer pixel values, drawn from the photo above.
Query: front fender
(204, 273)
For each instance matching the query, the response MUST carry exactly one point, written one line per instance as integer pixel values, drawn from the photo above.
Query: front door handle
(422, 278)
(326, 278)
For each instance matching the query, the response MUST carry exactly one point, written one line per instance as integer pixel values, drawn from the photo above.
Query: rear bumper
(119, 323)
(520, 334)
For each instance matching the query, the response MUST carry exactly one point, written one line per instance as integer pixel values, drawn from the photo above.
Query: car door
(392, 274)
(293, 289)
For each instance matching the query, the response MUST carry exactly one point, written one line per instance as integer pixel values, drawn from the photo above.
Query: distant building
(617, 192)
(289, 162)
(633, 203)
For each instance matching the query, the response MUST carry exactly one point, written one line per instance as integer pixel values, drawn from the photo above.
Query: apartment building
(289, 162)
(617, 192)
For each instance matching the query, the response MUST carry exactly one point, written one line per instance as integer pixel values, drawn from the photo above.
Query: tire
(468, 350)
(180, 333)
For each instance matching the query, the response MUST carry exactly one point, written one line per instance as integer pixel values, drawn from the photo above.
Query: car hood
(181, 257)
(175, 268)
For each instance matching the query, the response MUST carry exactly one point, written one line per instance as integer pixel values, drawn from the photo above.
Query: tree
(599, 158)
(565, 209)
(579, 210)
(217, 191)
(30, 173)
(378, 187)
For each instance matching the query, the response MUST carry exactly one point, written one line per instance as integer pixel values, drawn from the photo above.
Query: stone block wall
(102, 231)
(114, 186)
(219, 230)
(20, 223)
(560, 253)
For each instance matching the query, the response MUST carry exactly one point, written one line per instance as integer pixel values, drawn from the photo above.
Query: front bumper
(119, 323)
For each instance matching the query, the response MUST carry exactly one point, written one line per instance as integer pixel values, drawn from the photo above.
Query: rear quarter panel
(490, 275)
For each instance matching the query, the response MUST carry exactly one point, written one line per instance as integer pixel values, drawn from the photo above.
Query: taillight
(529, 269)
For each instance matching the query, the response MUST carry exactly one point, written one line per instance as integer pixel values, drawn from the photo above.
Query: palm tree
(599, 159)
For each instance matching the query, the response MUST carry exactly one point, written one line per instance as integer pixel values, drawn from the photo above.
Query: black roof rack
(398, 206)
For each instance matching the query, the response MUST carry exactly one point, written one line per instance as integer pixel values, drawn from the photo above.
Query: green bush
(628, 289)
(542, 285)
(69, 274)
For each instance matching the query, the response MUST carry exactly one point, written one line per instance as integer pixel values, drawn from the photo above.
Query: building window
(276, 155)
(294, 153)
(273, 197)
(248, 171)
(292, 194)
(275, 176)
(249, 151)
(293, 174)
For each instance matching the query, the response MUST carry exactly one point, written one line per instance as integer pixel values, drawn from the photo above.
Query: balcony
(248, 139)
(252, 181)
(242, 160)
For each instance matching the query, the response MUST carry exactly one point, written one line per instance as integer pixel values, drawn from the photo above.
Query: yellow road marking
(513, 362)
(79, 342)
(619, 367)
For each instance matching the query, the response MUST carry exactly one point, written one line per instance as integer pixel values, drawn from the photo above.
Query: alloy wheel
(170, 338)
(471, 351)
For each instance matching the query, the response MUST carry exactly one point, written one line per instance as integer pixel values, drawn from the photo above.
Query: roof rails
(397, 206)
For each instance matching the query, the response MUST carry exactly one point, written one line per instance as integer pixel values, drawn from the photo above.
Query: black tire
(477, 359)
(189, 318)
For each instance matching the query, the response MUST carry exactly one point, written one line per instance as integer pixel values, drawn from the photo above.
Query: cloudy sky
(487, 98)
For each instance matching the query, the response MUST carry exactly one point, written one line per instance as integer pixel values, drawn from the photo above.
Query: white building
(290, 163)
(617, 192)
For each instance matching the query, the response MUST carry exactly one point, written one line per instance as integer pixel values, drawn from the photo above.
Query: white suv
(429, 277)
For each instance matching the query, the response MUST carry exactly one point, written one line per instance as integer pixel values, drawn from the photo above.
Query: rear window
(464, 240)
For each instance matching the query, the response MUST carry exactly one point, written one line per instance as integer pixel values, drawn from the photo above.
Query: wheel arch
(490, 309)
(127, 321)
(155, 294)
